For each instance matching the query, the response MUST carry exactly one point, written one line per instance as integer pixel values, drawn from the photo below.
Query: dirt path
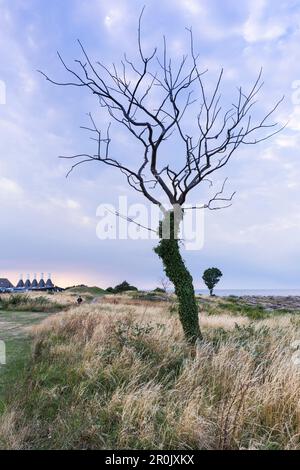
(8, 328)
(13, 324)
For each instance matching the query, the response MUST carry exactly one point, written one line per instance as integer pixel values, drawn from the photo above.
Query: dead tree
(151, 97)
(165, 283)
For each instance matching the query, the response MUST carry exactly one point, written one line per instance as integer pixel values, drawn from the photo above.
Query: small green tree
(211, 277)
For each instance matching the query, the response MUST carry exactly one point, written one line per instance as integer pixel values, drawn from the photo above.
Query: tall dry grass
(113, 376)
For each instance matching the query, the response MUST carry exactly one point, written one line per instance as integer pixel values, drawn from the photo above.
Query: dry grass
(30, 303)
(113, 376)
(65, 298)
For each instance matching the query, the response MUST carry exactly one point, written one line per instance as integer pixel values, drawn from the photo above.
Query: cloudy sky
(48, 222)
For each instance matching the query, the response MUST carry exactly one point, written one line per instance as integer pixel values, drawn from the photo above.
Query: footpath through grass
(18, 311)
(17, 355)
(18, 348)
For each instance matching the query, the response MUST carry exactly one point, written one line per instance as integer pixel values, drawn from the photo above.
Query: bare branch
(129, 103)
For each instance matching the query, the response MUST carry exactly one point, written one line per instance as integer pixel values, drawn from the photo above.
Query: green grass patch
(235, 307)
(256, 312)
(17, 356)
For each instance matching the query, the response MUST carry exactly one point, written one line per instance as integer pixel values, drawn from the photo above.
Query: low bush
(25, 303)
(123, 287)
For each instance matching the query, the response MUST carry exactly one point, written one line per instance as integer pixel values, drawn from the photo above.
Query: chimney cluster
(35, 285)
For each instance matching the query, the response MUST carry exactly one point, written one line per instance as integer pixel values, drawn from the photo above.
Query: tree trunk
(169, 251)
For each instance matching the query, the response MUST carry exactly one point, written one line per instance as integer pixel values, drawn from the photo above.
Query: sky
(49, 222)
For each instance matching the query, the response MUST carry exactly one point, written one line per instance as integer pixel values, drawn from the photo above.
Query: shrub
(123, 287)
(25, 303)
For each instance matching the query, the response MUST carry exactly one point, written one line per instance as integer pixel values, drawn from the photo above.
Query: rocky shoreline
(271, 302)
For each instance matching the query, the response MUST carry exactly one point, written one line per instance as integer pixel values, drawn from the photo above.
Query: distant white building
(7, 286)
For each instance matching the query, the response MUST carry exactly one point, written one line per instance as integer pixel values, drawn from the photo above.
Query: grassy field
(117, 373)
(17, 313)
(13, 330)
(83, 290)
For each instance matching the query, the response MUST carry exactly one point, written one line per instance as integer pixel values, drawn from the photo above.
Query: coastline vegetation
(121, 375)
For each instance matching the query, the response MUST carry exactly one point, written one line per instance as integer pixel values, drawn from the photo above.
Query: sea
(255, 292)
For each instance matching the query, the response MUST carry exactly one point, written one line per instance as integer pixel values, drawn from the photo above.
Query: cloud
(261, 27)
(294, 119)
(206, 17)
(278, 224)
(65, 204)
(287, 141)
(114, 18)
(193, 7)
(40, 122)
(9, 188)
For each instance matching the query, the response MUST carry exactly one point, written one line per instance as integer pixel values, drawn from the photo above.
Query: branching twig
(128, 103)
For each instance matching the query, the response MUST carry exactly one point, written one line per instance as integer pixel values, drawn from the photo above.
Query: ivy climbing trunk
(168, 250)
